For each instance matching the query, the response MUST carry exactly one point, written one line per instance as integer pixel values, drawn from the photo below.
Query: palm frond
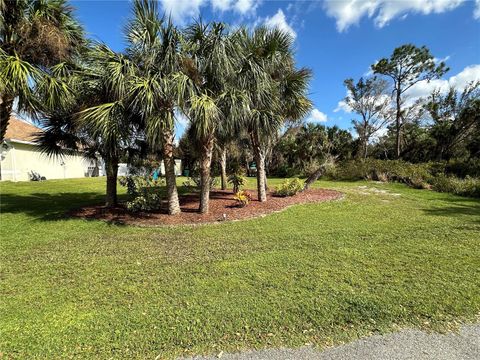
(204, 114)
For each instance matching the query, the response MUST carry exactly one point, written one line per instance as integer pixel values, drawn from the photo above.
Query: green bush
(450, 184)
(144, 191)
(289, 187)
(146, 202)
(463, 168)
(414, 175)
(419, 176)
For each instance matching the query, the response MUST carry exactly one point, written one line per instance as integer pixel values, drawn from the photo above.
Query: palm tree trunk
(205, 163)
(223, 166)
(112, 171)
(260, 162)
(169, 163)
(6, 104)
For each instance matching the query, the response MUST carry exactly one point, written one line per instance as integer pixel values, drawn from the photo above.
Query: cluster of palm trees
(225, 81)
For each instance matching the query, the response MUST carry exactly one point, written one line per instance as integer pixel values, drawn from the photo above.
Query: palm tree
(276, 90)
(209, 64)
(157, 86)
(110, 119)
(92, 112)
(34, 35)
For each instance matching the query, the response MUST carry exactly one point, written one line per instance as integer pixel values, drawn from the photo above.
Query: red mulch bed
(221, 202)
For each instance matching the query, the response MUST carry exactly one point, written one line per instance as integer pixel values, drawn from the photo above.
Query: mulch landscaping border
(222, 208)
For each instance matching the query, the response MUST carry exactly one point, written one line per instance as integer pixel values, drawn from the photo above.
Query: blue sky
(337, 39)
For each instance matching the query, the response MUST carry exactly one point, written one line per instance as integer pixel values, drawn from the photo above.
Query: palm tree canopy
(276, 90)
(42, 32)
(34, 36)
(209, 62)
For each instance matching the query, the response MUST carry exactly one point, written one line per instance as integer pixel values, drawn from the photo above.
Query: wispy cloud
(183, 10)
(349, 12)
(279, 20)
(476, 12)
(317, 116)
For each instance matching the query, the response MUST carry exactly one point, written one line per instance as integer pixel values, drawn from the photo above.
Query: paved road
(403, 345)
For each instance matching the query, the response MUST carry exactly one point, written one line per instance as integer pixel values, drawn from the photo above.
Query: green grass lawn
(319, 273)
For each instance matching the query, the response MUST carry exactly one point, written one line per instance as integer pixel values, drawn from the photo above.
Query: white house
(20, 156)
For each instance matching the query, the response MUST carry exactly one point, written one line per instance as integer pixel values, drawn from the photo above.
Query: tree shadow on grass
(45, 206)
(466, 208)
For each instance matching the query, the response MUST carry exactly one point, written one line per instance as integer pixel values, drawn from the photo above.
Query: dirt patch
(222, 208)
(370, 191)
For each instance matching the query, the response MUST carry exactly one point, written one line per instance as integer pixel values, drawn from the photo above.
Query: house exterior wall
(23, 158)
(178, 167)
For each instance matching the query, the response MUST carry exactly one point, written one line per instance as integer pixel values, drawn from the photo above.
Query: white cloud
(342, 106)
(317, 116)
(278, 20)
(246, 6)
(183, 10)
(349, 12)
(222, 5)
(476, 12)
(459, 81)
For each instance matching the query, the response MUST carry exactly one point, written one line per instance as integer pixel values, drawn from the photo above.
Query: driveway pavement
(402, 345)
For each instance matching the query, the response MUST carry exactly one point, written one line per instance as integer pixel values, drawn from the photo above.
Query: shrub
(289, 187)
(146, 202)
(238, 181)
(463, 168)
(450, 184)
(414, 175)
(242, 198)
(419, 176)
(144, 191)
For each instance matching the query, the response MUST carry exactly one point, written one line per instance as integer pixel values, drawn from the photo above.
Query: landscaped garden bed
(222, 208)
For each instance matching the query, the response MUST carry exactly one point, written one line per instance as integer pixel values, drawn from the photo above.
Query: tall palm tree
(91, 112)
(276, 90)
(209, 64)
(34, 35)
(158, 85)
(109, 117)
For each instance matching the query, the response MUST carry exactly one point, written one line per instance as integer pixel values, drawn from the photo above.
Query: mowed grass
(320, 273)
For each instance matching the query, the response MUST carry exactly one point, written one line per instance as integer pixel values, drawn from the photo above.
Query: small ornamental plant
(238, 181)
(144, 192)
(242, 198)
(289, 187)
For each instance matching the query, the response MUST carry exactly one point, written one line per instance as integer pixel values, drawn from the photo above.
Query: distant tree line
(388, 124)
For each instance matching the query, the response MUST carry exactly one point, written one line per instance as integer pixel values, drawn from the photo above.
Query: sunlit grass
(319, 273)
